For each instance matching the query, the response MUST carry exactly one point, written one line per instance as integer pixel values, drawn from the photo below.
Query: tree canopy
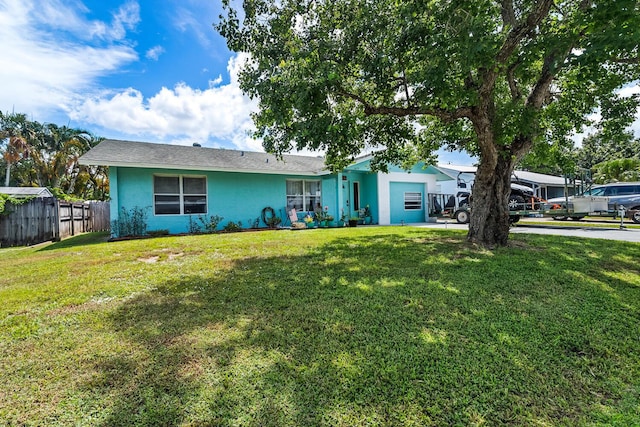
(46, 155)
(402, 78)
(596, 148)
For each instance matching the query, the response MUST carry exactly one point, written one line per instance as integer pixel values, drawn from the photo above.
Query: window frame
(306, 195)
(356, 195)
(182, 194)
(418, 208)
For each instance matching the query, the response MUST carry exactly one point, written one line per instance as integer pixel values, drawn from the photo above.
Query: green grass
(353, 327)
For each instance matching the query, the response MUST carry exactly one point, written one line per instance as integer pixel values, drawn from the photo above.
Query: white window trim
(182, 194)
(421, 201)
(306, 197)
(356, 201)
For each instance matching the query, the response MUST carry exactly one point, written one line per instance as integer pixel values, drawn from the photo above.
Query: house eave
(199, 168)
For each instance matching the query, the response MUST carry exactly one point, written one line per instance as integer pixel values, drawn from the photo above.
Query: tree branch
(511, 79)
(508, 15)
(520, 31)
(540, 91)
(625, 60)
(371, 110)
(406, 87)
(517, 33)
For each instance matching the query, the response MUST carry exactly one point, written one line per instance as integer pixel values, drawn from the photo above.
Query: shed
(21, 192)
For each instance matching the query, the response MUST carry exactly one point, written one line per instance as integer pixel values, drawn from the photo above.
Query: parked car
(618, 194)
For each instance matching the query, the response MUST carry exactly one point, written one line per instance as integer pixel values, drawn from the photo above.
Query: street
(548, 226)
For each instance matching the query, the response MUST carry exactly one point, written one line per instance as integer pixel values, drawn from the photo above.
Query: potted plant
(368, 219)
(308, 220)
(323, 217)
(353, 221)
(344, 220)
(328, 220)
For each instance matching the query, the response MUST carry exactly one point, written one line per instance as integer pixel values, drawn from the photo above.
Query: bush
(210, 224)
(232, 226)
(130, 223)
(6, 199)
(274, 221)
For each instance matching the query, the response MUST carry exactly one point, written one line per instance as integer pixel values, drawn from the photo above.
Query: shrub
(274, 221)
(232, 226)
(193, 227)
(210, 223)
(130, 223)
(6, 200)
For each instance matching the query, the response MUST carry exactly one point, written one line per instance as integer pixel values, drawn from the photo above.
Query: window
(356, 196)
(625, 190)
(303, 195)
(598, 191)
(412, 201)
(176, 195)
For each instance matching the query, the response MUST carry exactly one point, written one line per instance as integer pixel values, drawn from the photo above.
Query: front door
(346, 197)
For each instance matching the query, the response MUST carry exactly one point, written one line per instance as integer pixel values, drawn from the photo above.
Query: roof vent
(197, 144)
(267, 160)
(242, 153)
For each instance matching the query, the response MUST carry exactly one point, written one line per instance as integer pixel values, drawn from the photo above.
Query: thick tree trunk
(489, 221)
(489, 224)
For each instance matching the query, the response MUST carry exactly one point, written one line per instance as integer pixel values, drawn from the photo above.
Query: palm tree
(15, 129)
(46, 155)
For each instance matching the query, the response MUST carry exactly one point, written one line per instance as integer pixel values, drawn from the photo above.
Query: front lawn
(362, 326)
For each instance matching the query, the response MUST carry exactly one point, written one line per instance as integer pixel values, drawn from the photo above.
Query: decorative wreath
(267, 214)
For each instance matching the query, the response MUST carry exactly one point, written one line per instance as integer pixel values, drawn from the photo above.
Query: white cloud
(43, 65)
(218, 113)
(125, 18)
(186, 21)
(154, 53)
(51, 57)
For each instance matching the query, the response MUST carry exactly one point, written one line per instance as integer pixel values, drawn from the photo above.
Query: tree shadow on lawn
(84, 239)
(365, 330)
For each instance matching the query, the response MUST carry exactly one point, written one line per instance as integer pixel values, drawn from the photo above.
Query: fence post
(56, 221)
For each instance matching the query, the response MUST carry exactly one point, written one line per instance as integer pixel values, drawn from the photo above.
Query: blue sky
(147, 70)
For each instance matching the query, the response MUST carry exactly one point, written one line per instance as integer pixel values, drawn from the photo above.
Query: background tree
(597, 148)
(46, 155)
(402, 78)
(617, 170)
(551, 159)
(15, 130)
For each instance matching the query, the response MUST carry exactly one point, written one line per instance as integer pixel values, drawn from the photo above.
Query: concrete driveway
(554, 228)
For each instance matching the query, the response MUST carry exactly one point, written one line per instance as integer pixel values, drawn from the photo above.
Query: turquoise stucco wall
(398, 213)
(234, 196)
(330, 196)
(368, 192)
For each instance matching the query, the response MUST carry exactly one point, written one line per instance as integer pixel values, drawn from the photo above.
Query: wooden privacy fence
(44, 219)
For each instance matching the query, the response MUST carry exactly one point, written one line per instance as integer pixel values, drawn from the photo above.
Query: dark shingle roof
(112, 152)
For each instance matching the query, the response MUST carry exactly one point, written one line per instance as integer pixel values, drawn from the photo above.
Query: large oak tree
(402, 78)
